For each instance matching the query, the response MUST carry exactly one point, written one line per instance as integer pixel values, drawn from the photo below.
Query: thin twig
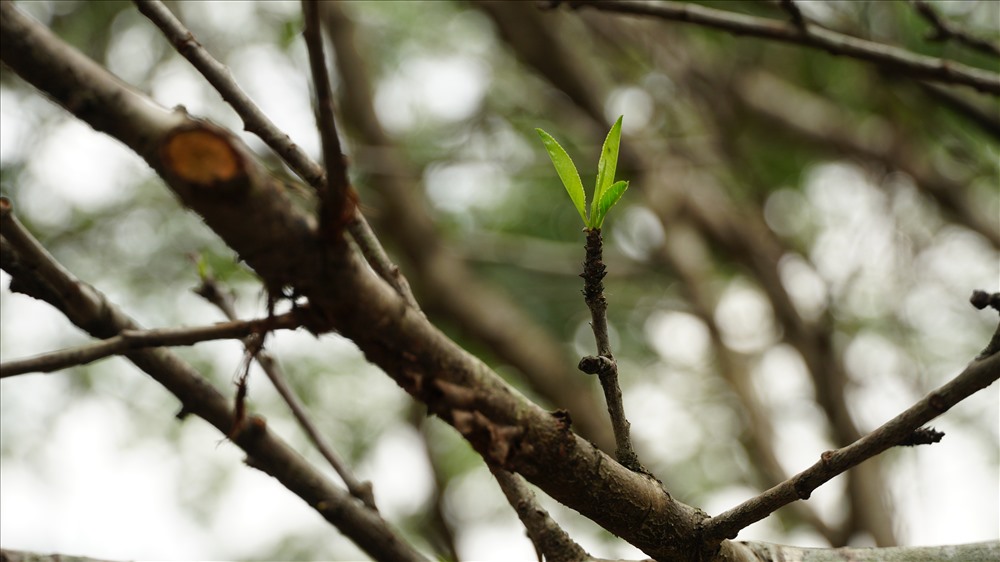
(255, 121)
(550, 540)
(337, 198)
(440, 536)
(130, 340)
(375, 255)
(944, 31)
(835, 43)
(604, 365)
(209, 290)
(978, 375)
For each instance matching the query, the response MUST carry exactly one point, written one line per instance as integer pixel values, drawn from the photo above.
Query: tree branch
(278, 241)
(441, 535)
(7, 555)
(693, 216)
(604, 365)
(255, 121)
(337, 197)
(974, 552)
(943, 30)
(280, 244)
(549, 539)
(93, 312)
(986, 120)
(130, 340)
(978, 375)
(888, 56)
(209, 290)
(794, 14)
(450, 288)
(825, 124)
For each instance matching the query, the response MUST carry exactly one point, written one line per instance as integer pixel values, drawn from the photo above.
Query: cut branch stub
(201, 156)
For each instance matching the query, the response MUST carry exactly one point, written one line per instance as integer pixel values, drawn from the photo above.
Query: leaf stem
(604, 365)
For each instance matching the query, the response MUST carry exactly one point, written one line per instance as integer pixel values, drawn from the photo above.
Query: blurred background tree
(789, 269)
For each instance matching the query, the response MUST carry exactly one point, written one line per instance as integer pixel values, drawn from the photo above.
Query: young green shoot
(606, 193)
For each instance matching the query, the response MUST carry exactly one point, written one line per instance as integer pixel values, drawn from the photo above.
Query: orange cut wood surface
(202, 156)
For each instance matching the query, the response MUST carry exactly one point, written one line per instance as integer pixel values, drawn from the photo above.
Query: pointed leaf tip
(608, 164)
(567, 172)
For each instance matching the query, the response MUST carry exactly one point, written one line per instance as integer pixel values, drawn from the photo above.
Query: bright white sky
(96, 487)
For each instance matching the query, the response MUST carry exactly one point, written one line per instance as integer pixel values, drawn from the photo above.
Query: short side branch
(549, 539)
(130, 340)
(980, 374)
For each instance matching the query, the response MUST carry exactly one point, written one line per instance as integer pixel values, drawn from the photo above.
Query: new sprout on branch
(607, 192)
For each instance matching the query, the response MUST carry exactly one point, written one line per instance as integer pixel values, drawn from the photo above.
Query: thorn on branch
(922, 436)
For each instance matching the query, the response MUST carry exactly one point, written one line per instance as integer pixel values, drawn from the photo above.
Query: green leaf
(608, 199)
(607, 165)
(567, 173)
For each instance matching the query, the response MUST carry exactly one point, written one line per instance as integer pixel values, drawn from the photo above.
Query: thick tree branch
(449, 287)
(897, 59)
(237, 199)
(283, 246)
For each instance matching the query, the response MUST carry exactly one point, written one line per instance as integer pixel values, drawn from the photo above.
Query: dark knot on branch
(596, 365)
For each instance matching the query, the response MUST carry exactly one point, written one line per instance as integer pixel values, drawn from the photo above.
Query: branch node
(922, 436)
(596, 364)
